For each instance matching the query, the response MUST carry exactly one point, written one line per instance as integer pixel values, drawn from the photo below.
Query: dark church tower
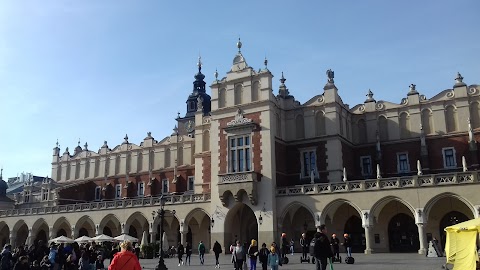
(198, 95)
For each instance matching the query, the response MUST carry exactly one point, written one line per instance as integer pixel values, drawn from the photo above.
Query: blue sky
(97, 70)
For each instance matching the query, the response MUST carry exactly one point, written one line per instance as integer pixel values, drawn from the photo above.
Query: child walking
(273, 259)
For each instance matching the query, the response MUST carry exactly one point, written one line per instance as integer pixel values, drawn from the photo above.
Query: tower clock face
(189, 126)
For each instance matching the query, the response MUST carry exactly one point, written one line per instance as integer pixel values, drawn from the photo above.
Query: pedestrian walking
(253, 254)
(201, 252)
(263, 256)
(335, 245)
(273, 259)
(322, 249)
(6, 261)
(292, 243)
(125, 259)
(188, 253)
(217, 249)
(304, 244)
(238, 255)
(180, 251)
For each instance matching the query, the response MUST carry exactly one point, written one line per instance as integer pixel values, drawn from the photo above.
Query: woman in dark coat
(180, 251)
(217, 249)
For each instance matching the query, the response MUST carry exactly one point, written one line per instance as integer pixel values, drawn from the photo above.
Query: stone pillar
(73, 233)
(183, 233)
(368, 239)
(422, 237)
(97, 229)
(153, 236)
(29, 240)
(51, 234)
(13, 239)
(125, 228)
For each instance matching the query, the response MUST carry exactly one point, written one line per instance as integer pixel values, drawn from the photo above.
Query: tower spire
(239, 45)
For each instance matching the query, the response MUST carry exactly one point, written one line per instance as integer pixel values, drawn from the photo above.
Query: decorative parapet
(382, 184)
(104, 205)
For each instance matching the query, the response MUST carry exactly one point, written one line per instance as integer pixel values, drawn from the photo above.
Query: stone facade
(259, 163)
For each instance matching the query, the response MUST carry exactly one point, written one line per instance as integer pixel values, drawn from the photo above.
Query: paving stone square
(381, 261)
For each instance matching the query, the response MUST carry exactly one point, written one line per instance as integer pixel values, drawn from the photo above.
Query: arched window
(206, 141)
(383, 128)
(362, 131)
(427, 121)
(475, 115)
(167, 158)
(451, 118)
(404, 123)
(279, 126)
(77, 170)
(59, 172)
(255, 91)
(222, 98)
(97, 167)
(320, 124)
(180, 156)
(299, 127)
(238, 94)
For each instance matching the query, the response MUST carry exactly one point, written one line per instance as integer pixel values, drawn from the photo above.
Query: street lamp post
(161, 212)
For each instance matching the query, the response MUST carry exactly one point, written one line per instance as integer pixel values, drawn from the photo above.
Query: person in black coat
(263, 256)
(217, 249)
(335, 245)
(322, 249)
(188, 251)
(180, 251)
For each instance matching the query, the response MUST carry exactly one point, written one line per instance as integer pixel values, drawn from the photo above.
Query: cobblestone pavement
(382, 261)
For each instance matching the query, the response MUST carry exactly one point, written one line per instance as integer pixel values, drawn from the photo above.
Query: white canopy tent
(103, 238)
(83, 239)
(61, 239)
(125, 237)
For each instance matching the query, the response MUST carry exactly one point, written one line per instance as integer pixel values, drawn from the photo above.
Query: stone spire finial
(459, 80)
(1, 174)
(199, 63)
(105, 144)
(330, 76)
(265, 62)
(57, 145)
(85, 146)
(66, 151)
(412, 91)
(239, 45)
(125, 138)
(216, 75)
(369, 96)
(283, 90)
(149, 134)
(175, 130)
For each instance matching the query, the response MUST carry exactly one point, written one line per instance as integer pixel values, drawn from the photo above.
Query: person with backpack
(201, 252)
(273, 259)
(322, 249)
(217, 249)
(6, 261)
(53, 255)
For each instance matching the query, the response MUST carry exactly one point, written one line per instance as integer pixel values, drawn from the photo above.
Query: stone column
(183, 233)
(97, 229)
(13, 237)
(153, 236)
(125, 228)
(73, 233)
(368, 239)
(422, 237)
(29, 240)
(50, 233)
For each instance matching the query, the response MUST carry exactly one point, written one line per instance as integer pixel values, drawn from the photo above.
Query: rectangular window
(449, 159)
(240, 158)
(26, 199)
(403, 165)
(366, 165)
(118, 191)
(165, 186)
(141, 189)
(45, 195)
(98, 193)
(309, 164)
(191, 180)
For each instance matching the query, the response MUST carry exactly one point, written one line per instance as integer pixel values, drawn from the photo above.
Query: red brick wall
(289, 162)
(460, 143)
(256, 141)
(207, 172)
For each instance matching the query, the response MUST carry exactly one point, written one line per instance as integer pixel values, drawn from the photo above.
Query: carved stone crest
(239, 119)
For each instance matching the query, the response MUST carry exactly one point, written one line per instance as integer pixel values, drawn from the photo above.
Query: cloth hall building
(250, 162)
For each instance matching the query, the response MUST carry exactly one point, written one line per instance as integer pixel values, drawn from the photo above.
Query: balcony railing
(383, 184)
(103, 205)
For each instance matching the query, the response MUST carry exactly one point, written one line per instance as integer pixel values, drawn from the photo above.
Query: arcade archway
(84, 227)
(62, 227)
(110, 225)
(4, 234)
(137, 224)
(199, 228)
(20, 230)
(298, 219)
(240, 224)
(40, 231)
(403, 234)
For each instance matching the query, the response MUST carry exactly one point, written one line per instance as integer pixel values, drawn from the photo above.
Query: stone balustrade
(382, 184)
(105, 205)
